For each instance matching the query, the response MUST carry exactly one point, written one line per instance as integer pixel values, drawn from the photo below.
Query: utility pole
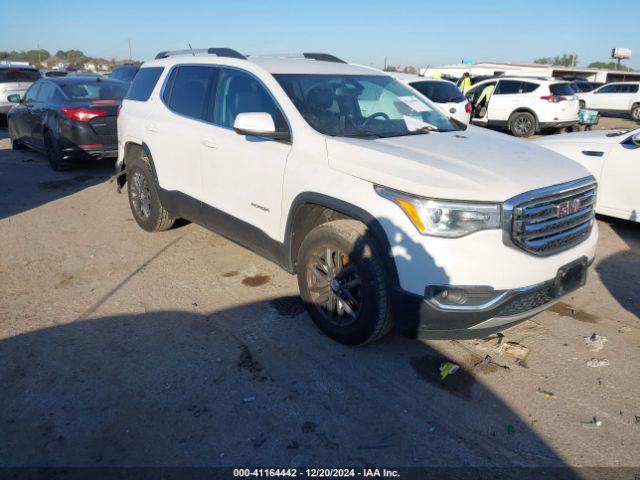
(130, 57)
(385, 64)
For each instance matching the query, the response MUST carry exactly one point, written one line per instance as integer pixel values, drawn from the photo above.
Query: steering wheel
(374, 115)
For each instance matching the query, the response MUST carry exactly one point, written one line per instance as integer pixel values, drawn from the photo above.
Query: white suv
(525, 105)
(620, 97)
(356, 183)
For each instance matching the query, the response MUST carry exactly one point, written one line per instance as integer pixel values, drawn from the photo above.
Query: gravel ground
(123, 348)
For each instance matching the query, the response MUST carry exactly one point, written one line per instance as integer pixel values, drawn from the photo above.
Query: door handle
(209, 142)
(151, 127)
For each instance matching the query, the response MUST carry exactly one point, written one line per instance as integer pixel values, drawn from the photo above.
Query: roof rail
(219, 52)
(323, 57)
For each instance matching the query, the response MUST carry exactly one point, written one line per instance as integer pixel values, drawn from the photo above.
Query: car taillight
(467, 107)
(82, 114)
(553, 98)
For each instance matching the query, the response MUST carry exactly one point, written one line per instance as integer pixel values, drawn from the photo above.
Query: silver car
(15, 80)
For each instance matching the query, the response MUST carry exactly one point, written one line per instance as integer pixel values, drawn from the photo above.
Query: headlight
(444, 218)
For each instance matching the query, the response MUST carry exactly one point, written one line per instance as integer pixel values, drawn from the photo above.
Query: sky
(408, 32)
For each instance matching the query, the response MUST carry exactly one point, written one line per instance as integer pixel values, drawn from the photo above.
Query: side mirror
(257, 124)
(635, 139)
(15, 98)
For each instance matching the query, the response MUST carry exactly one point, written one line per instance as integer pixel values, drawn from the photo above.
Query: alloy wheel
(334, 286)
(522, 125)
(141, 196)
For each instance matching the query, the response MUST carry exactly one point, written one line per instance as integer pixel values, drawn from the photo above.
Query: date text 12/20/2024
(316, 473)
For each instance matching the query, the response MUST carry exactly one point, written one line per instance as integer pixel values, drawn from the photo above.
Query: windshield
(367, 106)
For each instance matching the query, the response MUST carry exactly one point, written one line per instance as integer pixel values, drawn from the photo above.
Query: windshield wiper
(361, 134)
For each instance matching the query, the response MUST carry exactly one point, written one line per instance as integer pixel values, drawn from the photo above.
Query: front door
(243, 175)
(618, 187)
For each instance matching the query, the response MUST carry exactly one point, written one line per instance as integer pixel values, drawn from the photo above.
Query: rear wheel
(144, 199)
(53, 152)
(342, 282)
(522, 124)
(635, 112)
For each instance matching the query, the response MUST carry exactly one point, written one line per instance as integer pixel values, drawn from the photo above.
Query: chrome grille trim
(530, 221)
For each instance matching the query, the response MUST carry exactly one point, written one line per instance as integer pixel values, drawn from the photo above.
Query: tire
(343, 284)
(582, 104)
(144, 199)
(635, 112)
(522, 124)
(52, 150)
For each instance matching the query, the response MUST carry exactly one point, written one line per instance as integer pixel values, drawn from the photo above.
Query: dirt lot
(123, 348)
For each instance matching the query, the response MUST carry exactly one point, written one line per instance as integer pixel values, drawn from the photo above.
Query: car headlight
(444, 218)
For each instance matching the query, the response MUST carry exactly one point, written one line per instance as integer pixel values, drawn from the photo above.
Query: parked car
(443, 93)
(339, 173)
(67, 118)
(125, 73)
(15, 80)
(618, 97)
(613, 158)
(526, 105)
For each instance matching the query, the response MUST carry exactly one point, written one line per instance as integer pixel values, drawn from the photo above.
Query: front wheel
(522, 124)
(144, 199)
(342, 283)
(635, 112)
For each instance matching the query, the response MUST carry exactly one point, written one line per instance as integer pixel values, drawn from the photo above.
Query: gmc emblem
(567, 208)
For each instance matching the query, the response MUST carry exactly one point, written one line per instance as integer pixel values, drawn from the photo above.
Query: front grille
(551, 220)
(526, 302)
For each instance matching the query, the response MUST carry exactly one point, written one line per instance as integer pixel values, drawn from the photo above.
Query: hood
(476, 164)
(593, 136)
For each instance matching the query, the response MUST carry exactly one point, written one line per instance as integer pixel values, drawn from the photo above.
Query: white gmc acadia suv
(385, 209)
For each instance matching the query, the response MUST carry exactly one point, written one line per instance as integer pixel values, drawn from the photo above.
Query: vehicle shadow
(620, 272)
(245, 386)
(252, 385)
(27, 181)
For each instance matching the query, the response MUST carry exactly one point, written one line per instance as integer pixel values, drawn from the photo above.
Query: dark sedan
(68, 118)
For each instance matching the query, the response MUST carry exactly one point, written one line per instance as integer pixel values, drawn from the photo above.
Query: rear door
(177, 128)
(506, 98)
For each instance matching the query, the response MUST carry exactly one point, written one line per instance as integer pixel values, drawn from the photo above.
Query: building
(529, 70)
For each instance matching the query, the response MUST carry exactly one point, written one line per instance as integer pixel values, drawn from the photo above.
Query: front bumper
(484, 310)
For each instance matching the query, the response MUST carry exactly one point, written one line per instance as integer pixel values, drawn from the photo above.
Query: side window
(239, 92)
(528, 87)
(607, 89)
(633, 88)
(46, 92)
(144, 83)
(32, 93)
(508, 87)
(189, 91)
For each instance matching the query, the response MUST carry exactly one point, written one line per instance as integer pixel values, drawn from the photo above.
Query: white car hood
(476, 164)
(593, 136)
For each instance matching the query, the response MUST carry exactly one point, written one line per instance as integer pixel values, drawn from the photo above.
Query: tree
(409, 69)
(609, 66)
(565, 60)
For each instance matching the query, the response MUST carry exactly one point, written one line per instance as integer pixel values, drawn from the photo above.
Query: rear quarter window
(144, 83)
(561, 89)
